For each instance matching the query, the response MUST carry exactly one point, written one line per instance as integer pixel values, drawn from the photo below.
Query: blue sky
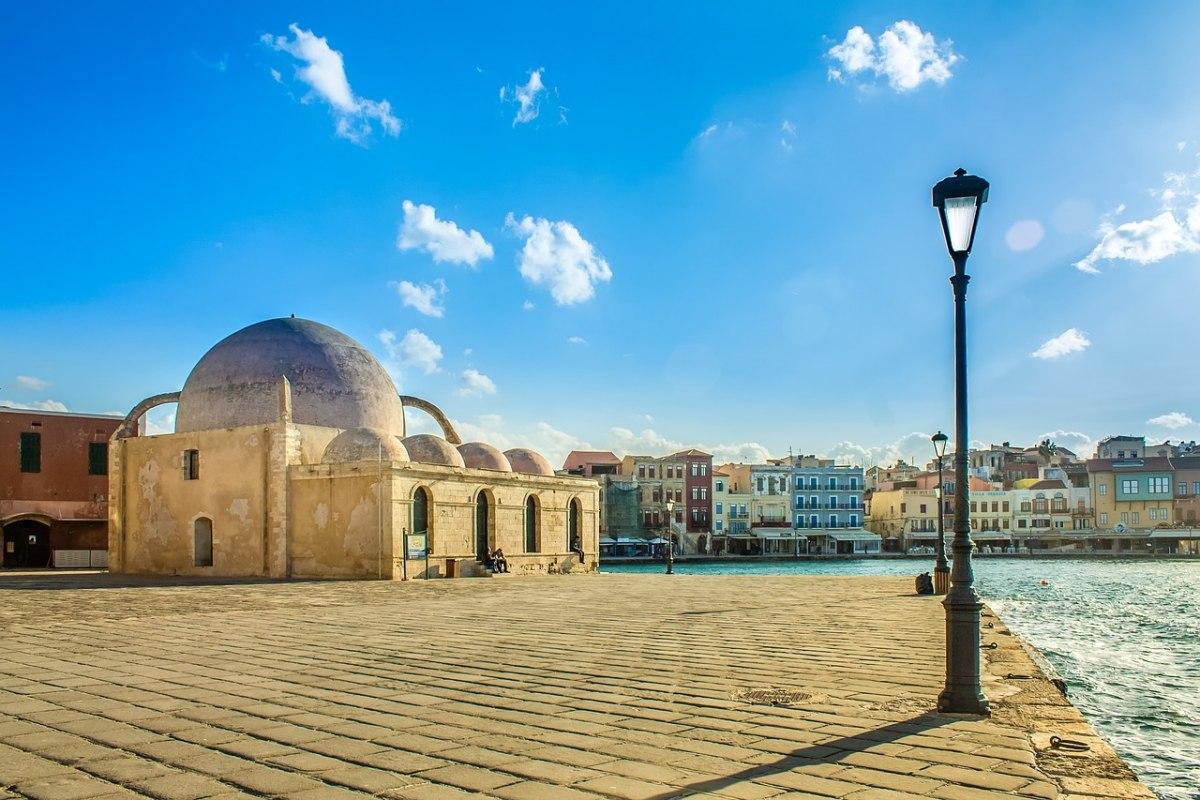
(720, 230)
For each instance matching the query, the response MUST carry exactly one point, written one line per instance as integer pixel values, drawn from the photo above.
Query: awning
(1175, 533)
(606, 540)
(853, 536)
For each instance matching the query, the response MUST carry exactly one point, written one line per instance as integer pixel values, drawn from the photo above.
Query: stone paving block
(530, 790)
(179, 786)
(64, 786)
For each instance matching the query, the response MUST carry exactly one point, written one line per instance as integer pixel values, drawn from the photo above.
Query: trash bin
(451, 567)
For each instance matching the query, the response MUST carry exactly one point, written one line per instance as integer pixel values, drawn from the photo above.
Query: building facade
(54, 488)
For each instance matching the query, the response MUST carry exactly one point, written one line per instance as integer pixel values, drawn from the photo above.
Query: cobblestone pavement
(562, 688)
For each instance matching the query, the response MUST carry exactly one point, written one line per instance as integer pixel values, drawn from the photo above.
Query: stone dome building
(290, 459)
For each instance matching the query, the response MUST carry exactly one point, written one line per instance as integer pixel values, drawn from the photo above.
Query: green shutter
(31, 451)
(98, 458)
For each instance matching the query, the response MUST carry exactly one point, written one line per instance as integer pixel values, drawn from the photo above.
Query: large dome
(335, 382)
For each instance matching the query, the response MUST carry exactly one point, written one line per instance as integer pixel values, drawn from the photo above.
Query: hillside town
(1128, 497)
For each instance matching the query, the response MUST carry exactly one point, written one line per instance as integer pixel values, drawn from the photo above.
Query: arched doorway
(531, 524)
(482, 521)
(574, 540)
(27, 544)
(202, 542)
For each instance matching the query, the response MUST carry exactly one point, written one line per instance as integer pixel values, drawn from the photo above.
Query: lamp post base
(941, 580)
(963, 700)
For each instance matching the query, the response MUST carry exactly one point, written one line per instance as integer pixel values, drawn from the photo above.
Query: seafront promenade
(607, 686)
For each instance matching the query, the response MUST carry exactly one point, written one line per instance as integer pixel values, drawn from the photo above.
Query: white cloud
(555, 254)
(543, 437)
(475, 384)
(906, 55)
(914, 448)
(31, 384)
(649, 442)
(1072, 340)
(1024, 234)
(1078, 443)
(528, 97)
(787, 133)
(528, 306)
(577, 340)
(1172, 419)
(1181, 146)
(323, 70)
(423, 297)
(415, 350)
(1144, 241)
(37, 405)
(442, 239)
(159, 423)
(1175, 229)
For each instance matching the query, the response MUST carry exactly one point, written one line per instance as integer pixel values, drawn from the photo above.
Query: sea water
(1125, 635)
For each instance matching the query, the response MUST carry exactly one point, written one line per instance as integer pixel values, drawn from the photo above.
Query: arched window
(574, 540)
(202, 543)
(482, 525)
(420, 511)
(531, 524)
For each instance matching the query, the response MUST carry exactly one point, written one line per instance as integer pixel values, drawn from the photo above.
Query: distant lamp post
(958, 200)
(670, 539)
(941, 570)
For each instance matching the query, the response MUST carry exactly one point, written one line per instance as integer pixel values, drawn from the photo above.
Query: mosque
(290, 460)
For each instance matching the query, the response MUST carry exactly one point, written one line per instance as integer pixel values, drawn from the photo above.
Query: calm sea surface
(1124, 634)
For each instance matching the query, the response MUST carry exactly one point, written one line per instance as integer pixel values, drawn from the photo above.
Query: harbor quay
(636, 687)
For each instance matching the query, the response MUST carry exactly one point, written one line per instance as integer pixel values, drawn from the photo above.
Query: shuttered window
(98, 458)
(31, 451)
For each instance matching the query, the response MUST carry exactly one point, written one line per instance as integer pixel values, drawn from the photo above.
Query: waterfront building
(1187, 491)
(770, 515)
(290, 459)
(685, 479)
(905, 513)
(900, 471)
(732, 499)
(54, 495)
(1121, 448)
(828, 508)
(1131, 496)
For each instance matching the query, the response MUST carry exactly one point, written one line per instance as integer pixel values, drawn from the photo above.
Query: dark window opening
(98, 458)
(31, 451)
(191, 465)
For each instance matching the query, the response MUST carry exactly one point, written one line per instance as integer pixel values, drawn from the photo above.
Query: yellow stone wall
(276, 511)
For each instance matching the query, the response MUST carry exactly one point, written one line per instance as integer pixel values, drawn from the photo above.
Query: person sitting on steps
(498, 562)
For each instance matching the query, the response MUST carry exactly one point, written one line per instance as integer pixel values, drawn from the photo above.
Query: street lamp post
(670, 539)
(941, 570)
(958, 200)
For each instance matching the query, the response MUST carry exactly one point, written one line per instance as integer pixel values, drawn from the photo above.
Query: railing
(828, 507)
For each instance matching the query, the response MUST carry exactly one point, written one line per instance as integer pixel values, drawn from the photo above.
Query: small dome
(478, 455)
(425, 448)
(528, 462)
(335, 382)
(364, 444)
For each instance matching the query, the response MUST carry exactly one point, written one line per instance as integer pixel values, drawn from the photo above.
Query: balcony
(771, 521)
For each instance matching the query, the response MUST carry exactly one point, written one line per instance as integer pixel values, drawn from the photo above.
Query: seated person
(499, 562)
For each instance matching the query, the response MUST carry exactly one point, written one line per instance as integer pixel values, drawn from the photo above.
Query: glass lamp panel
(960, 217)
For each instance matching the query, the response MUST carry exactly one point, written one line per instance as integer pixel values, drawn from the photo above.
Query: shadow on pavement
(831, 752)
